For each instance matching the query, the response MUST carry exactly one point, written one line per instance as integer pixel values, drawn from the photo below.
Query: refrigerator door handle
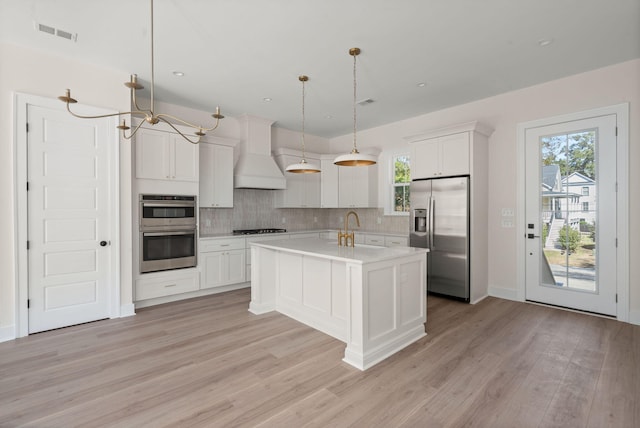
(432, 220)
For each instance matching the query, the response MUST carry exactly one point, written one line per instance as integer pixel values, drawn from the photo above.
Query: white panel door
(68, 219)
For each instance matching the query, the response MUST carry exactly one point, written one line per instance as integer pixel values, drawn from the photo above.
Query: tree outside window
(401, 182)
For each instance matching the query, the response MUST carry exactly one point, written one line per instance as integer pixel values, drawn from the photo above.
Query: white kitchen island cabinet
(372, 298)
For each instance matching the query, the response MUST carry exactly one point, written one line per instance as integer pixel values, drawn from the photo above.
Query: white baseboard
(175, 297)
(127, 310)
(504, 293)
(634, 317)
(7, 333)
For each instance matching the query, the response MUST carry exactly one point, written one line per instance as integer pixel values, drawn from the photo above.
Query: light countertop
(291, 232)
(329, 249)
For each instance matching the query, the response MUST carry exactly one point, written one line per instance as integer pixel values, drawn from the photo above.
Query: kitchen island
(372, 298)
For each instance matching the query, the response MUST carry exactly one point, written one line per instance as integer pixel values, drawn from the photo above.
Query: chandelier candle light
(147, 114)
(303, 167)
(355, 158)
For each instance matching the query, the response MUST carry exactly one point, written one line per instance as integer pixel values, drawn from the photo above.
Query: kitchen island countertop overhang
(372, 298)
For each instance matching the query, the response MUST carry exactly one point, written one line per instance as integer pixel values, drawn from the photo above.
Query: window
(585, 206)
(401, 182)
(585, 191)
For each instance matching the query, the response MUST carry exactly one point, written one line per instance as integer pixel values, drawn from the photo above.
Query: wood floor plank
(208, 362)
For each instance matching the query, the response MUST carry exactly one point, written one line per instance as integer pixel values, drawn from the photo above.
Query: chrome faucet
(346, 235)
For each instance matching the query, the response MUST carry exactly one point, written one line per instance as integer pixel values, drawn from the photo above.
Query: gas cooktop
(257, 231)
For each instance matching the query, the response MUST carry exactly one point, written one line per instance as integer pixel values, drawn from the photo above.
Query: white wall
(38, 73)
(604, 87)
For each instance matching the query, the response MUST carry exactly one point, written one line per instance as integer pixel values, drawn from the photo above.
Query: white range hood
(255, 168)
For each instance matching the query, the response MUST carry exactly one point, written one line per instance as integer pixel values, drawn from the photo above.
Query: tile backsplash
(255, 209)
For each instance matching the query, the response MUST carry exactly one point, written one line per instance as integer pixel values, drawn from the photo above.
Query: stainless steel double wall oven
(168, 232)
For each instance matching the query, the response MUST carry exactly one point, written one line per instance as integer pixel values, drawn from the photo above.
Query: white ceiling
(237, 52)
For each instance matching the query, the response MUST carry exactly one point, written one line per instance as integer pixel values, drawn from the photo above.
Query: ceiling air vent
(56, 32)
(365, 102)
(46, 29)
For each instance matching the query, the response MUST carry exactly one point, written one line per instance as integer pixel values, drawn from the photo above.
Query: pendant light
(303, 167)
(355, 158)
(149, 114)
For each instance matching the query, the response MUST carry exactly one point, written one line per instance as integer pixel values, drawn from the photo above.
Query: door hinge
(28, 303)
(616, 242)
(27, 127)
(616, 297)
(27, 186)
(27, 245)
(616, 131)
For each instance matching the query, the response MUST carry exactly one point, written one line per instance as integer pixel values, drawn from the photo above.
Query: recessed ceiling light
(178, 73)
(328, 116)
(267, 99)
(545, 42)
(421, 85)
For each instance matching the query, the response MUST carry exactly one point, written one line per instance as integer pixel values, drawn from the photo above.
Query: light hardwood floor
(208, 362)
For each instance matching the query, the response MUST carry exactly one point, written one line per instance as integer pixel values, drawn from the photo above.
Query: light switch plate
(507, 212)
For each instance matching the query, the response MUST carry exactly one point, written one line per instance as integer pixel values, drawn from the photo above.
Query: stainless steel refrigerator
(440, 222)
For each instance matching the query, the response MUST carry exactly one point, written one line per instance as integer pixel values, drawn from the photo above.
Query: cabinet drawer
(207, 245)
(166, 285)
(315, 235)
(374, 240)
(396, 241)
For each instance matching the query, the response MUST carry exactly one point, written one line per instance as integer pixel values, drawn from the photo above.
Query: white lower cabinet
(161, 284)
(222, 262)
(260, 238)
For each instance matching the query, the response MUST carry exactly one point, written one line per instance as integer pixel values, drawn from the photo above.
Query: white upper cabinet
(303, 190)
(440, 156)
(328, 182)
(358, 186)
(163, 155)
(216, 176)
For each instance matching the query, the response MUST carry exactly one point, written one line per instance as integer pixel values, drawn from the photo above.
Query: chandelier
(147, 115)
(303, 167)
(354, 158)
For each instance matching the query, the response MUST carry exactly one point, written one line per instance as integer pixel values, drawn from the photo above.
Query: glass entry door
(571, 214)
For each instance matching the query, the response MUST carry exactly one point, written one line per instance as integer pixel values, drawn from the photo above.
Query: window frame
(390, 184)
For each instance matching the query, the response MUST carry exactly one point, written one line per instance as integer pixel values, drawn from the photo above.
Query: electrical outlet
(284, 220)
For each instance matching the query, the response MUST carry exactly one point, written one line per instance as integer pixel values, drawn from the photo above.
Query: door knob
(103, 243)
